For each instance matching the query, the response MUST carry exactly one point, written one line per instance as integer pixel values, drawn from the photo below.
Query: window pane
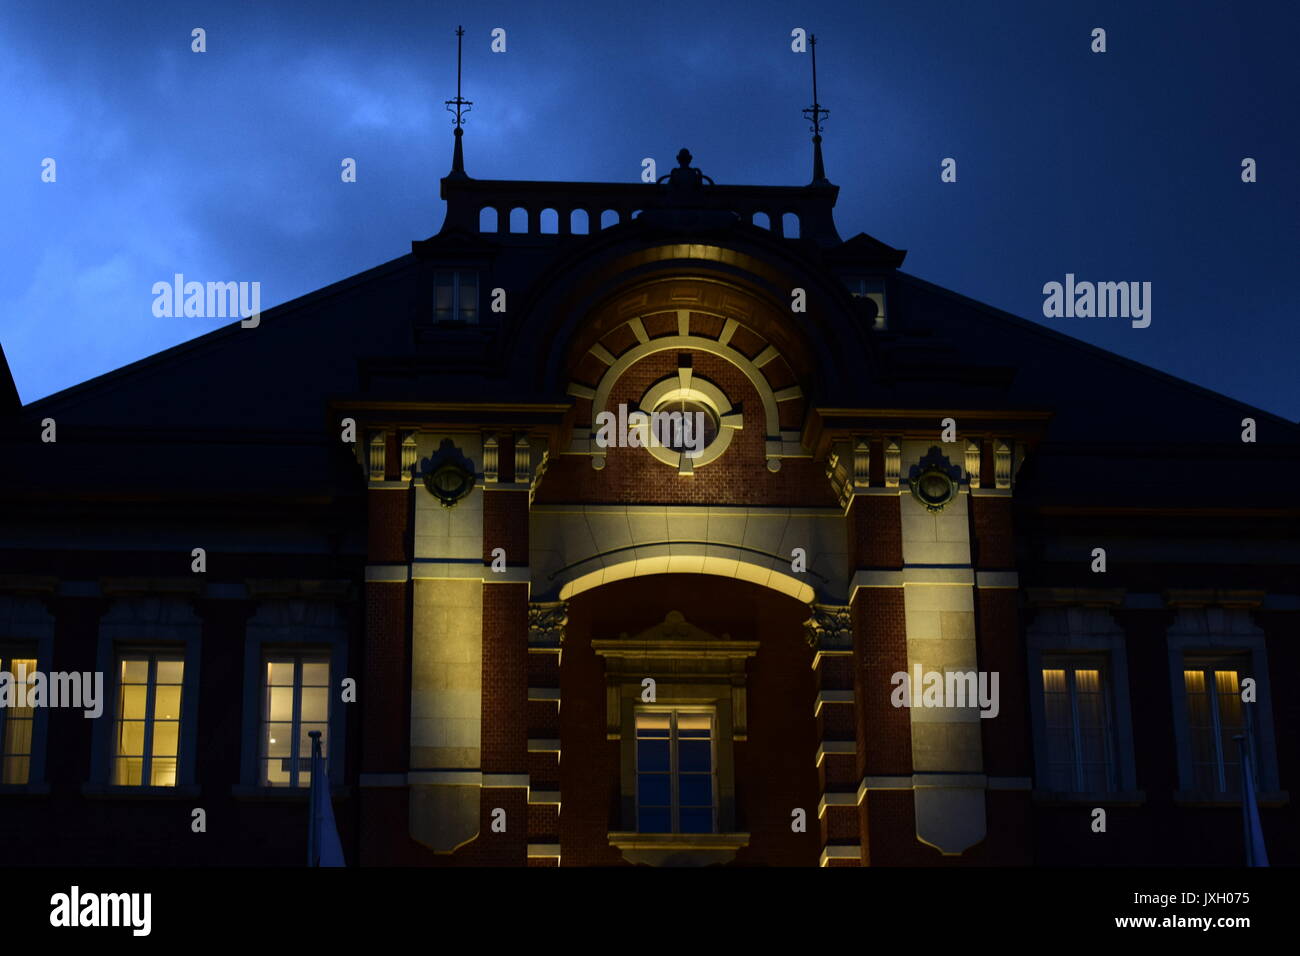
(135, 670)
(315, 673)
(653, 790)
(652, 755)
(696, 790)
(694, 755)
(469, 296)
(689, 725)
(315, 704)
(162, 772)
(127, 771)
(280, 706)
(443, 294)
(278, 740)
(167, 702)
(170, 672)
(696, 821)
(15, 770)
(130, 738)
(132, 698)
(279, 672)
(166, 733)
(653, 821)
(652, 725)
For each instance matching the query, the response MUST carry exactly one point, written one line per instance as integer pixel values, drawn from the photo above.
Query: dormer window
(455, 296)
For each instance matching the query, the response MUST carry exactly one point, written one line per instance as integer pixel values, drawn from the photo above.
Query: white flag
(323, 846)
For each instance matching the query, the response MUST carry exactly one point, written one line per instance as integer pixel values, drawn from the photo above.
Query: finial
(816, 113)
(459, 106)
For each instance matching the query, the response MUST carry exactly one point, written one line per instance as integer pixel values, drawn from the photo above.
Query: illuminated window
(17, 723)
(1215, 716)
(675, 766)
(295, 702)
(455, 296)
(148, 723)
(1080, 749)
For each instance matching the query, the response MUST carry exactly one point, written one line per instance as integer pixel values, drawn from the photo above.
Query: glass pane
(277, 740)
(469, 296)
(135, 670)
(694, 755)
(279, 672)
(280, 705)
(131, 698)
(315, 674)
(653, 821)
(652, 755)
(442, 295)
(315, 704)
(170, 672)
(694, 725)
(653, 790)
(166, 733)
(162, 772)
(652, 725)
(127, 771)
(167, 702)
(695, 790)
(130, 738)
(18, 734)
(696, 821)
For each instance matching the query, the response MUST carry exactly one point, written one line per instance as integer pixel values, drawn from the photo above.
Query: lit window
(870, 296)
(147, 731)
(1215, 716)
(675, 787)
(16, 722)
(455, 296)
(295, 702)
(1081, 755)
(683, 421)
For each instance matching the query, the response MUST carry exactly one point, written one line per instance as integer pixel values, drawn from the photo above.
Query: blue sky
(225, 165)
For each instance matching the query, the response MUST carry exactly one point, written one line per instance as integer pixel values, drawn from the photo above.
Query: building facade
(648, 524)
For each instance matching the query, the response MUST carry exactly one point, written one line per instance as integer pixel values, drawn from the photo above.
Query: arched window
(790, 225)
(550, 222)
(487, 219)
(519, 219)
(608, 218)
(578, 222)
(760, 219)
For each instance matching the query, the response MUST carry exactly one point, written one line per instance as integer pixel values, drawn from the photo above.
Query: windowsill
(242, 791)
(1209, 798)
(1109, 798)
(24, 789)
(105, 791)
(678, 849)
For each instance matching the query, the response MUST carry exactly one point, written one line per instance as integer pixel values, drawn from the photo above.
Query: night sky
(224, 166)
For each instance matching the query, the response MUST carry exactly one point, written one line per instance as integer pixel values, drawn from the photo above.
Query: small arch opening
(550, 222)
(519, 219)
(578, 222)
(608, 218)
(761, 220)
(790, 225)
(487, 219)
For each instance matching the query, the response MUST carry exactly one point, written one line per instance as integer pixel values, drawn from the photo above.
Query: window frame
(1071, 663)
(674, 771)
(138, 623)
(1201, 632)
(153, 655)
(457, 274)
(298, 654)
(1065, 630)
(27, 626)
(9, 652)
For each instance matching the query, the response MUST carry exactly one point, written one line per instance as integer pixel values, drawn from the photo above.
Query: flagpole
(313, 828)
(1256, 853)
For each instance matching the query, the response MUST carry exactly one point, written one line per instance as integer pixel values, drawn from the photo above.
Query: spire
(816, 113)
(459, 106)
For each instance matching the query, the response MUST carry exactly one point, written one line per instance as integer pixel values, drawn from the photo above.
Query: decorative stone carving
(378, 443)
(547, 621)
(861, 463)
(410, 454)
(448, 474)
(523, 461)
(973, 462)
(933, 480)
(831, 626)
(893, 462)
(1002, 465)
(490, 459)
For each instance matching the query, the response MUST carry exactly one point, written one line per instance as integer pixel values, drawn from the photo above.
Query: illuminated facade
(387, 513)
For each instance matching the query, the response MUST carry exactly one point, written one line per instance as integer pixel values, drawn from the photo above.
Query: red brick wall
(505, 678)
(385, 693)
(875, 529)
(387, 528)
